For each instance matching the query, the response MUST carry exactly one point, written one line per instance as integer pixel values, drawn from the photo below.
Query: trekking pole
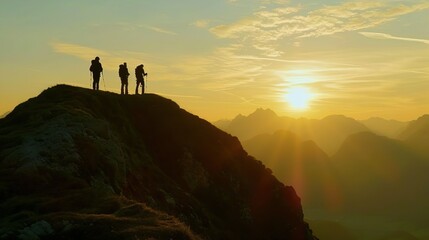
(90, 75)
(104, 83)
(146, 82)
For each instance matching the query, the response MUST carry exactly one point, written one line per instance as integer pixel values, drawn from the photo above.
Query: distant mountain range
(388, 128)
(365, 165)
(342, 166)
(328, 133)
(82, 164)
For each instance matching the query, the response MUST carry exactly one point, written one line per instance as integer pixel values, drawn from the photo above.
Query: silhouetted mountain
(370, 175)
(380, 175)
(416, 135)
(388, 128)
(328, 133)
(81, 164)
(300, 164)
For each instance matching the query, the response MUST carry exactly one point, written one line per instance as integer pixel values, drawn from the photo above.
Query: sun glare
(298, 98)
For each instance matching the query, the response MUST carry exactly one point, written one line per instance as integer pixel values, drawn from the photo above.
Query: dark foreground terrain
(79, 164)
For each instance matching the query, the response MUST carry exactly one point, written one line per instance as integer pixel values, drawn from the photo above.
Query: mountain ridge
(328, 133)
(387, 127)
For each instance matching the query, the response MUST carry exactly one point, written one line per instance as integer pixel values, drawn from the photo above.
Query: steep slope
(301, 164)
(381, 176)
(79, 164)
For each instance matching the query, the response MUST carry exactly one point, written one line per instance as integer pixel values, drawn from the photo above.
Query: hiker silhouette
(123, 74)
(140, 73)
(96, 70)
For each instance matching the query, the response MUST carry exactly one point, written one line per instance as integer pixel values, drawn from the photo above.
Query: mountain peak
(259, 121)
(264, 112)
(80, 163)
(260, 114)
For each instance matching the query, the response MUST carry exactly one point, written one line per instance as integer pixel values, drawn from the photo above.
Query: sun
(298, 98)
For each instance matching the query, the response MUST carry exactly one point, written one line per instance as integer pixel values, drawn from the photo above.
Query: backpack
(92, 66)
(123, 71)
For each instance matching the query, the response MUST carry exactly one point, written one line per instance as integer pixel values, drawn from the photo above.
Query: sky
(220, 58)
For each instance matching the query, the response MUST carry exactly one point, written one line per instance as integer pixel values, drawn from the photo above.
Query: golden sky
(219, 58)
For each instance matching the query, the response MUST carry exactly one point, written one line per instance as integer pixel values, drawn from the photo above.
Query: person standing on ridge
(96, 70)
(140, 73)
(123, 74)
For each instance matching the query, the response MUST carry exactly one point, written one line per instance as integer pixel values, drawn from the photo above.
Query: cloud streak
(384, 36)
(110, 60)
(79, 51)
(265, 28)
(161, 30)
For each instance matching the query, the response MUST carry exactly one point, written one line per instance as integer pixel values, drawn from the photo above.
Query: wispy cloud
(230, 75)
(275, 1)
(79, 51)
(376, 35)
(283, 60)
(161, 30)
(110, 60)
(267, 27)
